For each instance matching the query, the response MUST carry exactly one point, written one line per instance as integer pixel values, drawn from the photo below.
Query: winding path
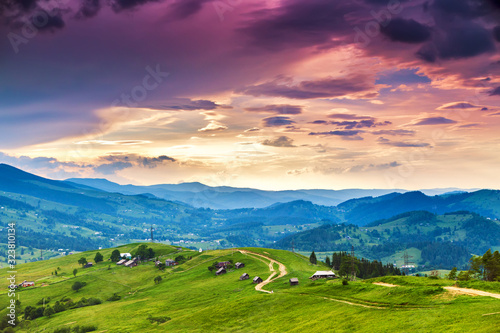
(453, 290)
(282, 270)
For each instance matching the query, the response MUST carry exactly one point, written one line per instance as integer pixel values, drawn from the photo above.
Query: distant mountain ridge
(199, 195)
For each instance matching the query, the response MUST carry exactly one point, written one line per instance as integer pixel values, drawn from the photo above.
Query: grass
(196, 300)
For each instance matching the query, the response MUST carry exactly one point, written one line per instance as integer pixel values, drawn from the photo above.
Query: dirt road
(453, 290)
(471, 292)
(282, 270)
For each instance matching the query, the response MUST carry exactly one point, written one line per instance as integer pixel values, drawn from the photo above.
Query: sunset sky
(267, 94)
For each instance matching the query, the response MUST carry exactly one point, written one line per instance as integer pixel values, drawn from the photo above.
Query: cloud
(496, 33)
(346, 135)
(406, 31)
(213, 126)
(461, 40)
(373, 167)
(88, 8)
(277, 121)
(277, 108)
(182, 9)
(282, 141)
(398, 132)
(359, 124)
(402, 144)
(115, 142)
(434, 121)
(347, 116)
(253, 129)
(187, 105)
(495, 92)
(111, 168)
(322, 88)
(457, 105)
(119, 5)
(319, 122)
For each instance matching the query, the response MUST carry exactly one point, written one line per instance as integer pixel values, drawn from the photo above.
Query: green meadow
(190, 298)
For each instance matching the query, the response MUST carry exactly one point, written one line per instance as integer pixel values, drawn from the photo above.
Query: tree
(74, 272)
(312, 258)
(115, 256)
(82, 261)
(453, 274)
(327, 261)
(161, 266)
(158, 279)
(55, 272)
(98, 257)
(345, 266)
(78, 285)
(59, 307)
(48, 311)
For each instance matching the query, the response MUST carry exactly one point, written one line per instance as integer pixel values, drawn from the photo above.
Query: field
(190, 298)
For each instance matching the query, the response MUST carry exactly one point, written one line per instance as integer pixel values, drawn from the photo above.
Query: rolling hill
(190, 298)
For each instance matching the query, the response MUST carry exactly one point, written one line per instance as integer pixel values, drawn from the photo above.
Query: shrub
(62, 330)
(345, 282)
(40, 302)
(114, 298)
(78, 285)
(84, 329)
(158, 319)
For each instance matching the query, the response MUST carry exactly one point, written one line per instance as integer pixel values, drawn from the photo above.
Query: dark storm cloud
(152, 162)
(277, 121)
(406, 31)
(319, 122)
(277, 108)
(282, 141)
(496, 33)
(323, 88)
(89, 8)
(298, 23)
(49, 23)
(435, 121)
(119, 5)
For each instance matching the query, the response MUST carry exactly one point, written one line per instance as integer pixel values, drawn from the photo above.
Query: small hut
(294, 281)
(257, 279)
(245, 277)
(221, 271)
(239, 265)
(87, 265)
(122, 262)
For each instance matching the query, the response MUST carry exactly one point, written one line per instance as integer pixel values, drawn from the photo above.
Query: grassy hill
(191, 298)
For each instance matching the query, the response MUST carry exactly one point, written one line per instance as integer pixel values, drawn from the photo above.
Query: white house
(323, 275)
(126, 255)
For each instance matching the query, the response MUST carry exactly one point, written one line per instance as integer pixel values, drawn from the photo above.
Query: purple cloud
(277, 108)
(282, 141)
(277, 121)
(435, 121)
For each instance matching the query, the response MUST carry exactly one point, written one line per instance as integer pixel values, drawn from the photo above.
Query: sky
(271, 94)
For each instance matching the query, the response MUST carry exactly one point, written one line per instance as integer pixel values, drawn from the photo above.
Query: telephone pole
(407, 262)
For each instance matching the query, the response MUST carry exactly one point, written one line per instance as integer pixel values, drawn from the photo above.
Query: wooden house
(245, 277)
(170, 262)
(131, 263)
(223, 264)
(239, 265)
(122, 262)
(28, 284)
(257, 279)
(294, 281)
(87, 265)
(221, 271)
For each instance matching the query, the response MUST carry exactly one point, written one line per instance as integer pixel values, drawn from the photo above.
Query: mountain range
(85, 214)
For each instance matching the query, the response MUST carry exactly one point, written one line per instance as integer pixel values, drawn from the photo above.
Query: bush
(78, 285)
(40, 302)
(84, 329)
(345, 282)
(62, 330)
(114, 298)
(158, 319)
